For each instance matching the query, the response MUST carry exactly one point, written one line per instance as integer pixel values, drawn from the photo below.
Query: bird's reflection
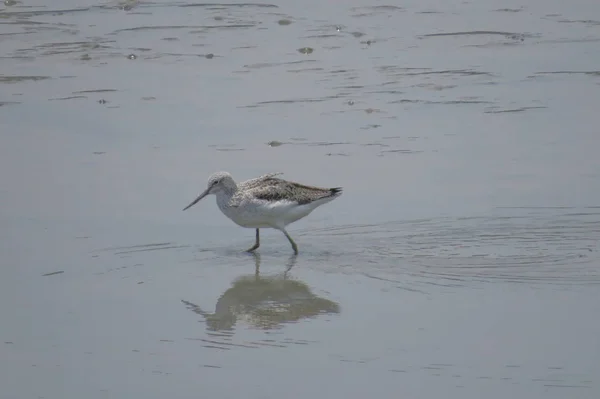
(265, 302)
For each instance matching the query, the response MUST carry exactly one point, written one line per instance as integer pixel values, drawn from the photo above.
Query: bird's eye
(215, 182)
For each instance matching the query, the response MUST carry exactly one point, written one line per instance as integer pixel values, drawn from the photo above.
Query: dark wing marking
(248, 186)
(273, 189)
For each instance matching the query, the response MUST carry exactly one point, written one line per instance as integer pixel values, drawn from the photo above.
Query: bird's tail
(336, 191)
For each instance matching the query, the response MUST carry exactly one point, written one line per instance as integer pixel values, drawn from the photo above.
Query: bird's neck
(225, 195)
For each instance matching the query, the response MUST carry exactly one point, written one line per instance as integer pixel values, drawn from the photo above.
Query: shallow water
(461, 260)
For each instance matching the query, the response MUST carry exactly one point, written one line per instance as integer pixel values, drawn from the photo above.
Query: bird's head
(217, 183)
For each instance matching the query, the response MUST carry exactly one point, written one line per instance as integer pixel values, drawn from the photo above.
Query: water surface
(461, 261)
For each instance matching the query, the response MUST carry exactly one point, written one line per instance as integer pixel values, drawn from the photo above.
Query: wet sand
(461, 260)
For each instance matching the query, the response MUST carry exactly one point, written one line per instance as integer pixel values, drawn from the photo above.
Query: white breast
(265, 214)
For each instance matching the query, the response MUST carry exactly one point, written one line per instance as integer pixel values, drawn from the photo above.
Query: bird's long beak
(194, 202)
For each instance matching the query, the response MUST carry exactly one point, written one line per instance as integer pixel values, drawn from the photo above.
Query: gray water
(460, 262)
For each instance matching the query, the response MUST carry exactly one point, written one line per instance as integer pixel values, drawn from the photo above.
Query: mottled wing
(273, 189)
(245, 185)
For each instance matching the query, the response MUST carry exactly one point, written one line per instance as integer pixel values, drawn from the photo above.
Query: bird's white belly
(267, 214)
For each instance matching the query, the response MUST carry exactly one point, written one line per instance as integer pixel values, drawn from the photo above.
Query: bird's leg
(294, 246)
(256, 244)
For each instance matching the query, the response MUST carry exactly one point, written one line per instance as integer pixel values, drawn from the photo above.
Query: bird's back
(272, 189)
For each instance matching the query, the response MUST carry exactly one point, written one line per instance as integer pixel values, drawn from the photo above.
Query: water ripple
(538, 246)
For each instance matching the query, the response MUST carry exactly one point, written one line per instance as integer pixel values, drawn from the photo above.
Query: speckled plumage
(266, 201)
(272, 189)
